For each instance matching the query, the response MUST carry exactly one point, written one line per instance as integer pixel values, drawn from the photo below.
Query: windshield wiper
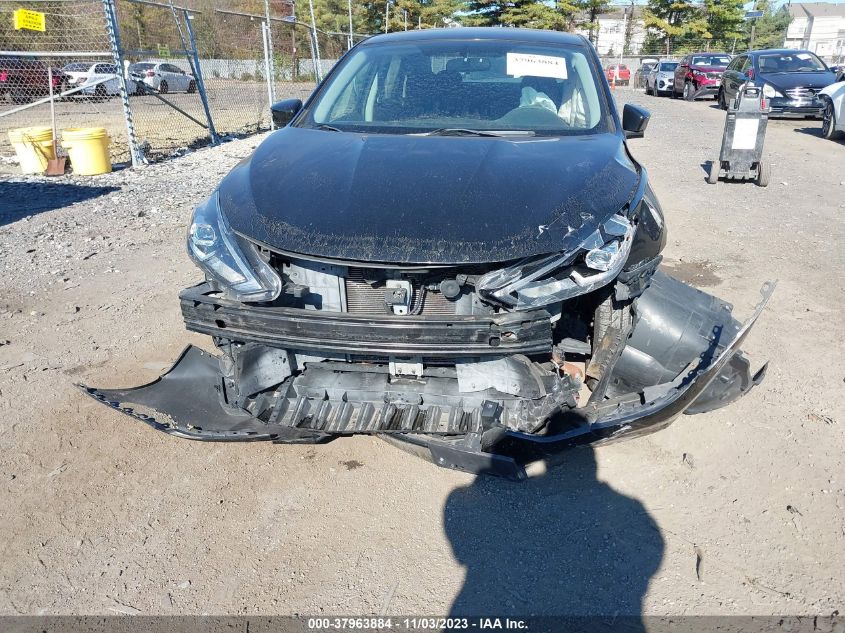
(459, 131)
(328, 128)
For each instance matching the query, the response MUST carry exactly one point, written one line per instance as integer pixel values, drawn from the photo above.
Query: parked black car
(791, 80)
(449, 245)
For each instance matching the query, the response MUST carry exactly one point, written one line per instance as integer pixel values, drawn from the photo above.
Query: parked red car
(624, 74)
(26, 79)
(699, 74)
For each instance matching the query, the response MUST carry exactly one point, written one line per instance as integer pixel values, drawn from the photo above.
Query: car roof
(775, 51)
(479, 33)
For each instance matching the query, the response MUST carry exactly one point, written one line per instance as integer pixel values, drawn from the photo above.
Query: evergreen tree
(589, 11)
(534, 14)
(769, 30)
(725, 22)
(674, 25)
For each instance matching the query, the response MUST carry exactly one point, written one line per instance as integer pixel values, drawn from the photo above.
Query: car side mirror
(634, 120)
(284, 111)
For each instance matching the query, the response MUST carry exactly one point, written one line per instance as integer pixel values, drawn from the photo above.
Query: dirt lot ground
(237, 107)
(737, 511)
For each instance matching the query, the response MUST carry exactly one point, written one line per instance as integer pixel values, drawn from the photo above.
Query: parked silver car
(659, 81)
(162, 77)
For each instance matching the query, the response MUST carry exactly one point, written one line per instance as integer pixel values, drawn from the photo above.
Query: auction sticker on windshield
(522, 64)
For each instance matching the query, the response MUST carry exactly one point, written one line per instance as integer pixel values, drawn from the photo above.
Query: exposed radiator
(362, 298)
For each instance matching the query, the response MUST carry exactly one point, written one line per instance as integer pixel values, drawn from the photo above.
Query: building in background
(610, 35)
(817, 27)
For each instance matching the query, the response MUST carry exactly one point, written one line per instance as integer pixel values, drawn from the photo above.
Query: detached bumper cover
(187, 402)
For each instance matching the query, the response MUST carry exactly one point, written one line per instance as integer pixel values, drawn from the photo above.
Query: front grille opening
(363, 297)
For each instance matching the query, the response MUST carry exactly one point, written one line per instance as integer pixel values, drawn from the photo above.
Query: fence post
(135, 152)
(198, 77)
(265, 39)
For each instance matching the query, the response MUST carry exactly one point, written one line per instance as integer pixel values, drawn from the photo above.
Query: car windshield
(668, 65)
(76, 67)
(710, 60)
(140, 66)
(456, 86)
(790, 63)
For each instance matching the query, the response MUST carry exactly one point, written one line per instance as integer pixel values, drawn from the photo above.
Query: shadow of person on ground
(561, 544)
(18, 199)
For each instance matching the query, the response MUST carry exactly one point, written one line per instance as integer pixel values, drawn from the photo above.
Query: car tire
(723, 104)
(829, 121)
(100, 93)
(689, 91)
(192, 87)
(647, 90)
(713, 173)
(764, 173)
(163, 87)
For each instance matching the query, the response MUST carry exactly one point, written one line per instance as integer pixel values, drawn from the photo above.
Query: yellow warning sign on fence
(30, 20)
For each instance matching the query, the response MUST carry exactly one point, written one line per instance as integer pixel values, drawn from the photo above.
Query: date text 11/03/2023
(416, 624)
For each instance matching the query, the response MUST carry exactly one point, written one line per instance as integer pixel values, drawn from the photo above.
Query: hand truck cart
(741, 157)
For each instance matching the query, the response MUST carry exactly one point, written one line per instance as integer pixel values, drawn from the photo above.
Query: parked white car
(833, 120)
(162, 77)
(88, 75)
(661, 77)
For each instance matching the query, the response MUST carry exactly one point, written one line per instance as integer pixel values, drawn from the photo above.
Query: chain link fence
(72, 55)
(191, 76)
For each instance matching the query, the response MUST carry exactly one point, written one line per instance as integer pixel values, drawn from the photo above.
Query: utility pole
(349, 8)
(271, 66)
(295, 69)
(405, 15)
(318, 71)
(386, 14)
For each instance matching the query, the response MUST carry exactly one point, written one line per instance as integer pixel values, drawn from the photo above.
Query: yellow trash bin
(88, 148)
(33, 147)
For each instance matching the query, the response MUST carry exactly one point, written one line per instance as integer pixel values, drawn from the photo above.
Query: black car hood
(787, 81)
(431, 200)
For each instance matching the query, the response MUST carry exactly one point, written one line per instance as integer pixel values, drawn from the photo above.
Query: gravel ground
(734, 512)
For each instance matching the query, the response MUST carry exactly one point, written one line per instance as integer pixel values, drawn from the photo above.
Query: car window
(668, 65)
(710, 60)
(747, 63)
(481, 85)
(141, 67)
(76, 67)
(172, 69)
(790, 62)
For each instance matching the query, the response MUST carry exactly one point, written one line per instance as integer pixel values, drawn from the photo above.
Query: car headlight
(536, 282)
(229, 259)
(769, 91)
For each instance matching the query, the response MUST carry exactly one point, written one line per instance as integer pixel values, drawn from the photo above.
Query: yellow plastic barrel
(88, 148)
(33, 147)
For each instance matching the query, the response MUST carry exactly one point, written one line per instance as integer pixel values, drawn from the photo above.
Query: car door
(728, 77)
(177, 78)
(112, 85)
(680, 75)
(736, 77)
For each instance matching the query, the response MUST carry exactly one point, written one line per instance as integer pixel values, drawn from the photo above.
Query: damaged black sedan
(449, 245)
